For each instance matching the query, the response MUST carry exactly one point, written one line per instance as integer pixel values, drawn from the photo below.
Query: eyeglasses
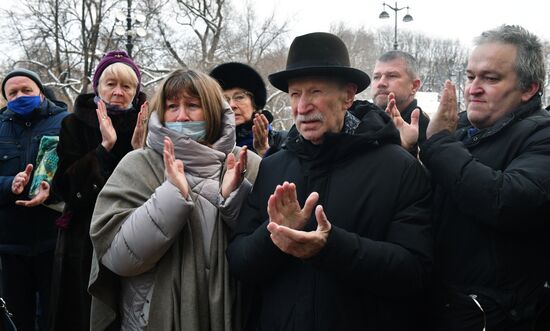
(238, 97)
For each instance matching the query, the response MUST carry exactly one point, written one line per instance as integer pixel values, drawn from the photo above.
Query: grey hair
(530, 62)
(411, 66)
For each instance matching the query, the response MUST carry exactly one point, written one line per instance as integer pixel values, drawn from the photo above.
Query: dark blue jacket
(25, 230)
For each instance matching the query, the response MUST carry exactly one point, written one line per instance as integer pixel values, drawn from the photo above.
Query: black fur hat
(235, 74)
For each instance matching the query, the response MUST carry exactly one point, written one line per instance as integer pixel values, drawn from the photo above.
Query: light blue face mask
(195, 130)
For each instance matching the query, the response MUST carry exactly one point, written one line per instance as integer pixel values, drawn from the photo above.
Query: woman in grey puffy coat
(161, 222)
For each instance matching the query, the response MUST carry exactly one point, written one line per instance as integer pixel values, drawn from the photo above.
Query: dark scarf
(244, 134)
(115, 110)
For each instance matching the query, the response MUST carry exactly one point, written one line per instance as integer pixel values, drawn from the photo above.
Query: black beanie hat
(235, 74)
(22, 72)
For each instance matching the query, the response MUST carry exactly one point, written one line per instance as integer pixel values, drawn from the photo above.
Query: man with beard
(396, 72)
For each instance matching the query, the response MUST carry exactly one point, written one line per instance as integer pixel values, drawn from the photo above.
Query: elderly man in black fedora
(335, 234)
(245, 91)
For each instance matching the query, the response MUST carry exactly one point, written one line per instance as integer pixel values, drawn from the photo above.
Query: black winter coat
(84, 167)
(423, 119)
(25, 230)
(359, 106)
(376, 196)
(492, 210)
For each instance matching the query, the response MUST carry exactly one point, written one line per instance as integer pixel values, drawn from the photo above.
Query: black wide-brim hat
(319, 54)
(240, 75)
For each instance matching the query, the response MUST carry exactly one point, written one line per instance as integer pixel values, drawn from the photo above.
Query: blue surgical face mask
(195, 130)
(24, 105)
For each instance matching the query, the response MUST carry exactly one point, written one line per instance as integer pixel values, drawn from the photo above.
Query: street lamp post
(132, 29)
(384, 14)
(129, 31)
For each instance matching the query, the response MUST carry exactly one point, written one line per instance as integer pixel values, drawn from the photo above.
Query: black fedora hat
(235, 74)
(319, 54)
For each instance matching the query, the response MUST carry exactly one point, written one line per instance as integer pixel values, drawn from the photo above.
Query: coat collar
(373, 130)
(524, 110)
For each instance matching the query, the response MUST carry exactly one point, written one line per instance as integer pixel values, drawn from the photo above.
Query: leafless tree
(249, 38)
(205, 19)
(64, 39)
(546, 94)
(60, 39)
(362, 48)
(438, 59)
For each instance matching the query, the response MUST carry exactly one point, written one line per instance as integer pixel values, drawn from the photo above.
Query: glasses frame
(239, 97)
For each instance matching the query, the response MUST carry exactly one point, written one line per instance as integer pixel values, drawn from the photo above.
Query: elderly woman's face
(241, 102)
(115, 91)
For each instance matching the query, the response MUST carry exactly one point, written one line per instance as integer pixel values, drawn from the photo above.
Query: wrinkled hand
(301, 244)
(138, 138)
(408, 132)
(235, 172)
(43, 195)
(173, 168)
(260, 134)
(446, 116)
(108, 133)
(21, 180)
(284, 209)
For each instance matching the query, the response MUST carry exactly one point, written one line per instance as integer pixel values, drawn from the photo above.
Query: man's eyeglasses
(239, 97)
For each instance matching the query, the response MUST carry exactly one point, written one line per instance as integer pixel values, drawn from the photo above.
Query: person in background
(103, 127)
(320, 259)
(161, 223)
(395, 77)
(245, 91)
(27, 229)
(49, 93)
(492, 202)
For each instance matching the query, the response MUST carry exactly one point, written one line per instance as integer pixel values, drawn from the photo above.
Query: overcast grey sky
(460, 19)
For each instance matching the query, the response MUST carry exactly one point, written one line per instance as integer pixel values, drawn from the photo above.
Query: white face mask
(195, 130)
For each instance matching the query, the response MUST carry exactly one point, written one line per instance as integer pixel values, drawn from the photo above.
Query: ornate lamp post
(132, 30)
(384, 14)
